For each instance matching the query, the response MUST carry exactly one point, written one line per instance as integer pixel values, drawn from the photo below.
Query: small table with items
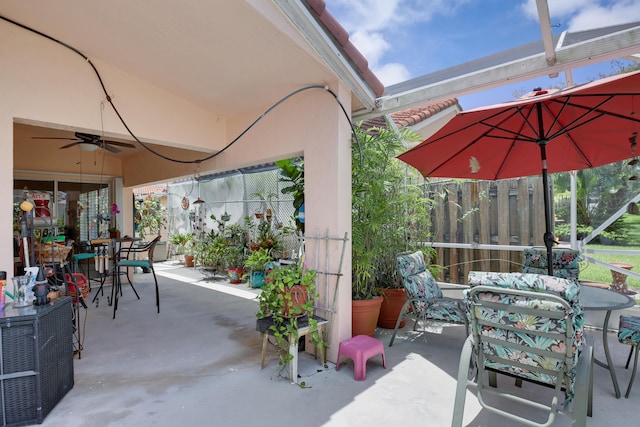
(596, 298)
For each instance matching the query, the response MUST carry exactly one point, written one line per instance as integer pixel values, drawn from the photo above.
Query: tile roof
(411, 116)
(150, 189)
(341, 37)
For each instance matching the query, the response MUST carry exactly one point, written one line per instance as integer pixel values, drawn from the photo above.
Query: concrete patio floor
(197, 363)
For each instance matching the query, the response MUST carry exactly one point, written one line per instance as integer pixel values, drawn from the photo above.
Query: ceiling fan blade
(109, 148)
(119, 144)
(54, 137)
(68, 145)
(87, 137)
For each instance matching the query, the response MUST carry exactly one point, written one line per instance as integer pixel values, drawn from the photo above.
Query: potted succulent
(234, 258)
(258, 263)
(288, 295)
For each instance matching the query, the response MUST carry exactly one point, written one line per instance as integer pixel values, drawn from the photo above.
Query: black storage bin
(36, 369)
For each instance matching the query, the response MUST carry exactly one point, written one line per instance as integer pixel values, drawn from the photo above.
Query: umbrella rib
(565, 130)
(484, 134)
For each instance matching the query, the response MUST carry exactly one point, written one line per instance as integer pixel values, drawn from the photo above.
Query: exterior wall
(43, 82)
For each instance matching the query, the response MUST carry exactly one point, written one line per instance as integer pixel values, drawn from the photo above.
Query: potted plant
(259, 262)
(210, 253)
(288, 295)
(234, 258)
(181, 241)
(114, 232)
(388, 214)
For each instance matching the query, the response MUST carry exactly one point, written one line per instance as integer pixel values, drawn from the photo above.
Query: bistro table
(595, 298)
(117, 247)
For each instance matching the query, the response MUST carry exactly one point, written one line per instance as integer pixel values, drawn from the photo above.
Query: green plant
(264, 234)
(150, 217)
(235, 256)
(390, 209)
(292, 172)
(278, 300)
(183, 242)
(210, 252)
(259, 259)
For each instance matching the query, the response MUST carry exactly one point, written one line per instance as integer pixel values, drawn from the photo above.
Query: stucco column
(328, 210)
(6, 193)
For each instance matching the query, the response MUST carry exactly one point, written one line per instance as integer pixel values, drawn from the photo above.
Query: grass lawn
(596, 273)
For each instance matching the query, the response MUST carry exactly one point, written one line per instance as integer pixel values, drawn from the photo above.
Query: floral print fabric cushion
(521, 320)
(411, 264)
(424, 292)
(629, 330)
(565, 262)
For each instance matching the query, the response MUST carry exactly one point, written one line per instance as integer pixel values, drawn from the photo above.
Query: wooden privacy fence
(505, 212)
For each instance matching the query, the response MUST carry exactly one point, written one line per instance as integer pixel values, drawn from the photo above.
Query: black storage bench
(36, 368)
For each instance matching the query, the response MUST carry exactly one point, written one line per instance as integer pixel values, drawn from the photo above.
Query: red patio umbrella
(570, 129)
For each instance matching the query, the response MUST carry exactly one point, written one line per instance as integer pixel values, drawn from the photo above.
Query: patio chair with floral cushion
(565, 262)
(528, 326)
(424, 297)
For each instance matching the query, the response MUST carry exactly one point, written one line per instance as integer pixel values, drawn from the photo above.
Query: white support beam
(545, 29)
(612, 46)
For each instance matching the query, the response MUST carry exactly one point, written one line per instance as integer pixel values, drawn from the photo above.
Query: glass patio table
(595, 298)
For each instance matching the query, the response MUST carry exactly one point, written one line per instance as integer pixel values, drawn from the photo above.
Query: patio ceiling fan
(90, 142)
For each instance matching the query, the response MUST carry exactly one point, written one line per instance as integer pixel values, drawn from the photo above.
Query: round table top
(622, 265)
(594, 298)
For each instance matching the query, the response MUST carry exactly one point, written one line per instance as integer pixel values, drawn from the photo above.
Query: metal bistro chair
(424, 296)
(527, 326)
(125, 261)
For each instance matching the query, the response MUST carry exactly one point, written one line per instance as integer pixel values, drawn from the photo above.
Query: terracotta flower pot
(298, 297)
(364, 316)
(392, 302)
(188, 260)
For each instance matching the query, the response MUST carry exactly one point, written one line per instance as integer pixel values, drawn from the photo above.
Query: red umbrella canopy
(580, 127)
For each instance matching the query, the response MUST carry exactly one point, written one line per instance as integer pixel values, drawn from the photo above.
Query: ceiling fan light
(87, 146)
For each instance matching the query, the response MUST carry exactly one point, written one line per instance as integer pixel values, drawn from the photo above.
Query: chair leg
(629, 358)
(131, 284)
(635, 367)
(401, 317)
(155, 279)
(461, 387)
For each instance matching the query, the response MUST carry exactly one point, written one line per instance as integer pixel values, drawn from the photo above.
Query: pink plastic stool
(360, 349)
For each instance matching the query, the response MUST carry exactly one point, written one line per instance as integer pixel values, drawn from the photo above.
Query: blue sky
(403, 39)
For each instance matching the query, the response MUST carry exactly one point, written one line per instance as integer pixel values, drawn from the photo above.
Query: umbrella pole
(548, 234)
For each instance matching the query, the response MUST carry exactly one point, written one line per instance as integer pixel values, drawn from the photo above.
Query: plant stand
(263, 326)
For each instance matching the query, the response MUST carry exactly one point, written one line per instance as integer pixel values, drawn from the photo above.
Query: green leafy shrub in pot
(288, 295)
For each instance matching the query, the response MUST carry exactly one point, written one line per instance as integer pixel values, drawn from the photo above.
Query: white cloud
(371, 44)
(619, 13)
(368, 20)
(392, 73)
(577, 15)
